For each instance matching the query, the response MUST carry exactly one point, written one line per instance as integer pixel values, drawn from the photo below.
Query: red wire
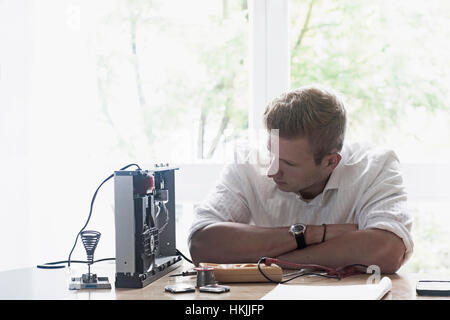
(340, 272)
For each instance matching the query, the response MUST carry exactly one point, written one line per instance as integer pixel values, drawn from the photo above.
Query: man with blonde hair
(324, 202)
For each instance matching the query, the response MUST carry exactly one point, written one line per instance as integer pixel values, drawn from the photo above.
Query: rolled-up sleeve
(226, 202)
(384, 203)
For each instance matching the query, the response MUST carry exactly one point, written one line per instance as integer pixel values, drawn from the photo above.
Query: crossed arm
(230, 242)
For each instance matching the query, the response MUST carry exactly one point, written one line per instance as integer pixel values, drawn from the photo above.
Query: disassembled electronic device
(90, 239)
(145, 225)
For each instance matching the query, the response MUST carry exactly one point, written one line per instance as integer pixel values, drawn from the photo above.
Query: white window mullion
(269, 55)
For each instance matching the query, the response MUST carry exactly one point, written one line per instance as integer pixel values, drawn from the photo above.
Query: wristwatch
(298, 230)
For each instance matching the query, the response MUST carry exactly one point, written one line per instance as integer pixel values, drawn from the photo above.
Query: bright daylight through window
(113, 82)
(390, 60)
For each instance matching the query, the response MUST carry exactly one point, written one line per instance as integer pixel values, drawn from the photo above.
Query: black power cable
(90, 211)
(53, 265)
(292, 278)
(188, 260)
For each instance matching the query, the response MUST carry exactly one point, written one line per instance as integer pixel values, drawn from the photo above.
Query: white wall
(14, 92)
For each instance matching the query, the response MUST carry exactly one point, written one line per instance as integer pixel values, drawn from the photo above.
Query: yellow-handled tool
(244, 272)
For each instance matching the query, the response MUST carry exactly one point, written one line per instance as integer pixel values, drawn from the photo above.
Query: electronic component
(205, 276)
(439, 288)
(214, 288)
(92, 282)
(90, 239)
(145, 225)
(179, 288)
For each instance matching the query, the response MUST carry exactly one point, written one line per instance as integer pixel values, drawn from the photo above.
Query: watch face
(297, 228)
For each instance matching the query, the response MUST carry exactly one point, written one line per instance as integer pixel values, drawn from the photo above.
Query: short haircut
(315, 112)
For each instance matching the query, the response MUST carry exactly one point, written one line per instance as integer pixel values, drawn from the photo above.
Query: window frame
(269, 55)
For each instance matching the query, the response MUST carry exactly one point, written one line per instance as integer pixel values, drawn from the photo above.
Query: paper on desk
(341, 292)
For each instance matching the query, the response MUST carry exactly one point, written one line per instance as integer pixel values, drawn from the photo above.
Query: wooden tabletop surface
(43, 284)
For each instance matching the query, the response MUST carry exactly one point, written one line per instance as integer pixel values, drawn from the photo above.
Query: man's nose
(274, 168)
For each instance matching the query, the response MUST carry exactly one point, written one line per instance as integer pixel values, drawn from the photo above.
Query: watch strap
(300, 238)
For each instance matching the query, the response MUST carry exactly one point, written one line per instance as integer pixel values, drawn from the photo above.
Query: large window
(87, 87)
(113, 82)
(390, 60)
(178, 69)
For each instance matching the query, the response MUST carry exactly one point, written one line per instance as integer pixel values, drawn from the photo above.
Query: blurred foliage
(386, 57)
(390, 61)
(184, 65)
(176, 71)
(431, 239)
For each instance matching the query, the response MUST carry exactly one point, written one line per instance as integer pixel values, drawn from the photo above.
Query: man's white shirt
(366, 188)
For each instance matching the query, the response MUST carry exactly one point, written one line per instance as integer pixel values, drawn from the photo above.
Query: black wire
(90, 211)
(259, 268)
(53, 265)
(303, 274)
(297, 276)
(310, 274)
(179, 253)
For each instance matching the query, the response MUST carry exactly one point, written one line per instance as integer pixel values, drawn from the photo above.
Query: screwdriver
(184, 274)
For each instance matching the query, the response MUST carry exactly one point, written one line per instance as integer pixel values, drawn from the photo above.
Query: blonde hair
(314, 112)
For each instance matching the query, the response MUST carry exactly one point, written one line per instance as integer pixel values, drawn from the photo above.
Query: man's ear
(331, 161)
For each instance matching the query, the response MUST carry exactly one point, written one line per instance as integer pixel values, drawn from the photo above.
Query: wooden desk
(42, 284)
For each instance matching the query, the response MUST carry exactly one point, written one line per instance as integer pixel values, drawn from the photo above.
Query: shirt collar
(317, 201)
(336, 177)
